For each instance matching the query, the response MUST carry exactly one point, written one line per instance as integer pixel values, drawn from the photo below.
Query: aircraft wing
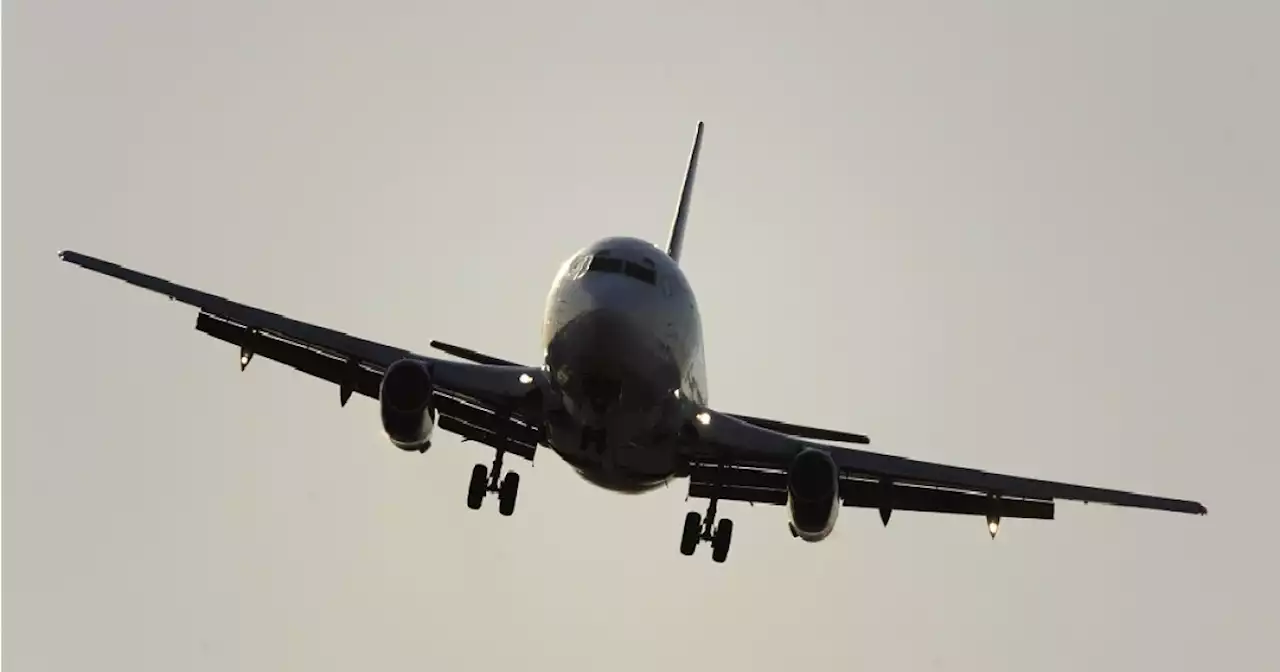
(481, 402)
(742, 460)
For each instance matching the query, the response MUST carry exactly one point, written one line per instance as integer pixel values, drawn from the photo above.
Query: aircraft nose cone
(594, 352)
(612, 290)
(601, 391)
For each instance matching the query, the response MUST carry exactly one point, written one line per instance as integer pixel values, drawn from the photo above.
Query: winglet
(676, 242)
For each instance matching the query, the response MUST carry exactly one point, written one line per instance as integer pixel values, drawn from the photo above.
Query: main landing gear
(697, 529)
(485, 480)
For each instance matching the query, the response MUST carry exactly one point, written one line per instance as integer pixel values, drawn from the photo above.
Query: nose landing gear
(698, 529)
(594, 440)
(485, 480)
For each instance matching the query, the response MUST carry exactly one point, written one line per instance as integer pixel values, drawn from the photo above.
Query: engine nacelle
(408, 411)
(813, 494)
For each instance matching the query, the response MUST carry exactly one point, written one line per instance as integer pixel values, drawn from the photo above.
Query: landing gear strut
(698, 529)
(485, 480)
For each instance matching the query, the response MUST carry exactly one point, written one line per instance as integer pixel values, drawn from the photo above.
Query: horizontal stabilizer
(803, 432)
(469, 354)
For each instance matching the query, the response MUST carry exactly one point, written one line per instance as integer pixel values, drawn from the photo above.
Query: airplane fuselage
(622, 338)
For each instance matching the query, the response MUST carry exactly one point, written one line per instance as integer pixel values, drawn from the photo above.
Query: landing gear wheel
(692, 530)
(720, 542)
(479, 486)
(507, 494)
(704, 528)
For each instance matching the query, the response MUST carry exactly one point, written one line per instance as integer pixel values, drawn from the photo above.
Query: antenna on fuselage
(676, 242)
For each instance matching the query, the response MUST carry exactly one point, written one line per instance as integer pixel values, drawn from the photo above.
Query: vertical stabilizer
(676, 242)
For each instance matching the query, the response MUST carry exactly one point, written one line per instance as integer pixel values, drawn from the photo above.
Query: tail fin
(676, 242)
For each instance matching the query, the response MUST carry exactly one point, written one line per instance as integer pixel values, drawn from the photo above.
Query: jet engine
(813, 494)
(408, 414)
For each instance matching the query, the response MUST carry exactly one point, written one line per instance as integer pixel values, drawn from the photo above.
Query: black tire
(478, 487)
(507, 493)
(720, 542)
(692, 529)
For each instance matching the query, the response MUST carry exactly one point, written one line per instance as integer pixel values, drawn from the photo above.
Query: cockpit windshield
(602, 263)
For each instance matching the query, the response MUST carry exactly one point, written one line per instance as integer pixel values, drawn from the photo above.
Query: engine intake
(408, 411)
(813, 494)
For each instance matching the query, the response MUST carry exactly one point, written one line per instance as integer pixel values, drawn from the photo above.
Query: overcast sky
(1039, 238)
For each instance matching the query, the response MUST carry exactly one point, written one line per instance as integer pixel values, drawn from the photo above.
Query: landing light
(704, 418)
(993, 526)
(526, 378)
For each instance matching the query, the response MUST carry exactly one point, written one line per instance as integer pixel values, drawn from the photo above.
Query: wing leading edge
(480, 402)
(755, 460)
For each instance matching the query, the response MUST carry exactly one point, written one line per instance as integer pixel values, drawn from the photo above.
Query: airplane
(621, 396)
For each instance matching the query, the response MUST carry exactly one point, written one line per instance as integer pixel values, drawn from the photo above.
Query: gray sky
(1030, 237)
